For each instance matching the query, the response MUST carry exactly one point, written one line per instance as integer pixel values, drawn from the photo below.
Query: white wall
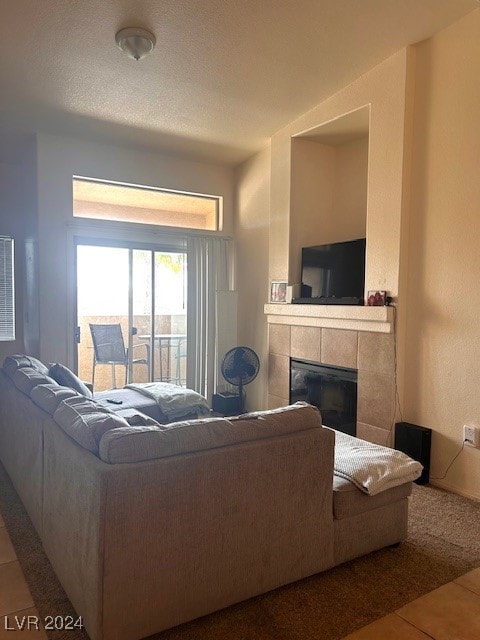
(58, 160)
(18, 219)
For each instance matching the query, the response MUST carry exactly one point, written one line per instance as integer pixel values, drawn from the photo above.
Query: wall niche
(329, 177)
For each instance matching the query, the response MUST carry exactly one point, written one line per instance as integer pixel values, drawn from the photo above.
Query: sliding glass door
(138, 296)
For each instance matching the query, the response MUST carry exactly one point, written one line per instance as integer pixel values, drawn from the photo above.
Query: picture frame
(278, 292)
(377, 299)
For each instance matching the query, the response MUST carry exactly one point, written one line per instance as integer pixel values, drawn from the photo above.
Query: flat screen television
(335, 272)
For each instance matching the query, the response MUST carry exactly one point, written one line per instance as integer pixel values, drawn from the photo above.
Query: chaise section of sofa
(363, 523)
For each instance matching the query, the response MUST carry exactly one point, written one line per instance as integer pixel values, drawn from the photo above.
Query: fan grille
(240, 366)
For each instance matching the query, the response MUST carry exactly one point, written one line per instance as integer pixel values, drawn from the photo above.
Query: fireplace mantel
(354, 318)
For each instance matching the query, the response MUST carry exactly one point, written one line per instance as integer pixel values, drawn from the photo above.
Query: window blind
(7, 294)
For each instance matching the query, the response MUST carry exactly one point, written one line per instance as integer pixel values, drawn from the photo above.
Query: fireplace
(332, 389)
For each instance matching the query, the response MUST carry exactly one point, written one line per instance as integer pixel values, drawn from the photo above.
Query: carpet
(443, 543)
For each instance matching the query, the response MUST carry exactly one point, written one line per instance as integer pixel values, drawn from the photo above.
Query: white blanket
(174, 401)
(370, 467)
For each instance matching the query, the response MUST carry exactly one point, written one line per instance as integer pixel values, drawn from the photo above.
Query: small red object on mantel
(377, 299)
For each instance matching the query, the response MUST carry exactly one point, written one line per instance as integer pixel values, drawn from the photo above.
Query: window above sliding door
(145, 205)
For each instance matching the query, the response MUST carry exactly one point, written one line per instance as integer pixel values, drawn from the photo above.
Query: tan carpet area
(443, 543)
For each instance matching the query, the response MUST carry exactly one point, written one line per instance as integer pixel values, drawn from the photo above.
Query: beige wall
(328, 195)
(423, 227)
(312, 197)
(251, 235)
(351, 179)
(59, 159)
(384, 89)
(443, 305)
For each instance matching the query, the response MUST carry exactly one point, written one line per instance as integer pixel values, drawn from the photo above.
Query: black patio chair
(109, 348)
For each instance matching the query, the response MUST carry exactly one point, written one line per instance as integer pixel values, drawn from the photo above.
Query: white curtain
(209, 272)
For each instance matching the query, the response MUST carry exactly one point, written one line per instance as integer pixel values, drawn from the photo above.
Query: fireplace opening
(332, 389)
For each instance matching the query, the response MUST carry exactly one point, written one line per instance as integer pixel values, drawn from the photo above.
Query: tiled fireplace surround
(371, 352)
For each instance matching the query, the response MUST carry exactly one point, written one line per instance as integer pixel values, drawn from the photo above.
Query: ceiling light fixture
(136, 43)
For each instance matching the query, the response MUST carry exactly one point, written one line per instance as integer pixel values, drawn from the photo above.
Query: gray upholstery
(135, 444)
(85, 422)
(238, 507)
(49, 396)
(370, 530)
(143, 547)
(66, 378)
(26, 378)
(348, 500)
(132, 399)
(12, 363)
(21, 446)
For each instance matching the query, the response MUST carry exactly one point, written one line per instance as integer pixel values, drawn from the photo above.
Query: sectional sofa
(148, 526)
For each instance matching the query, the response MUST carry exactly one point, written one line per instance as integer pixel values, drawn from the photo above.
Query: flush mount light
(136, 43)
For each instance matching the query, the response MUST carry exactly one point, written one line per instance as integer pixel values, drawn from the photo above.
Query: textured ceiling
(225, 74)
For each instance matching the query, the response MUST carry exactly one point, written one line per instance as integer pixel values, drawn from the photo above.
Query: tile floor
(16, 603)
(451, 612)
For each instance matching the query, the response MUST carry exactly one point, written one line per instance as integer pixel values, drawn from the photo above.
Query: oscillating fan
(239, 367)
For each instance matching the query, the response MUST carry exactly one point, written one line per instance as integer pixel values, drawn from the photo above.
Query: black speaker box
(305, 291)
(416, 442)
(228, 404)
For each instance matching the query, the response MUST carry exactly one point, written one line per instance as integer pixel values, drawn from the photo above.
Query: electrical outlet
(471, 436)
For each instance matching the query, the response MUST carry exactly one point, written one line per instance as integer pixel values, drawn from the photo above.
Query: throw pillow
(61, 374)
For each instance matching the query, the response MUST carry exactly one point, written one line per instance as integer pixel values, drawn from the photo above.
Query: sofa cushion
(49, 396)
(136, 418)
(86, 422)
(62, 374)
(136, 444)
(26, 378)
(300, 412)
(348, 500)
(12, 363)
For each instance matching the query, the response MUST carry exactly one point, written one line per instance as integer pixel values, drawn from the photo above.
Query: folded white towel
(371, 467)
(174, 401)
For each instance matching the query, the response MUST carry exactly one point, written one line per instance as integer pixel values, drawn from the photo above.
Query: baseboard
(454, 489)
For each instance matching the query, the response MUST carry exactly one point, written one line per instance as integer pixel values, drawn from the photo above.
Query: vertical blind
(209, 271)
(7, 305)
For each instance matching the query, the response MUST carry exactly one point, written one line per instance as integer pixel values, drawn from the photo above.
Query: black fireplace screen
(332, 389)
